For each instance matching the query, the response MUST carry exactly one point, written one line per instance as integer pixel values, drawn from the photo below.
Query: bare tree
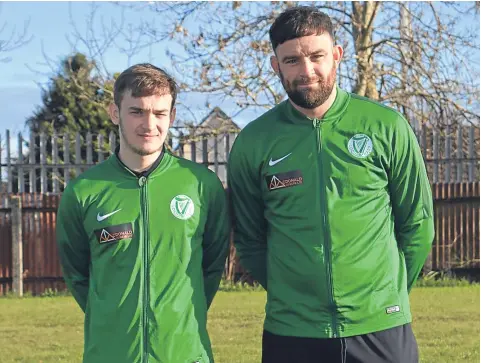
(418, 57)
(12, 38)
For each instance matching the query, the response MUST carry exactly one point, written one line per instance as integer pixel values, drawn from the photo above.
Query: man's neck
(136, 162)
(319, 111)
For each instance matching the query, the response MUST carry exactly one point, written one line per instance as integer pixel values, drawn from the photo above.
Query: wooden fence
(47, 163)
(41, 268)
(451, 154)
(456, 244)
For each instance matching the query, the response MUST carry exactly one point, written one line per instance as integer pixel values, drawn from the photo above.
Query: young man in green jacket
(332, 209)
(143, 236)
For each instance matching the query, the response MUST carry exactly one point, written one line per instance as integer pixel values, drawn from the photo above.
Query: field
(446, 324)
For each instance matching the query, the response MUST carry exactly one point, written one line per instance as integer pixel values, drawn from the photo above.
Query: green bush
(442, 279)
(54, 292)
(240, 286)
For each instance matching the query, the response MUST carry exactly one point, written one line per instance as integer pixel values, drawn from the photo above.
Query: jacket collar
(159, 165)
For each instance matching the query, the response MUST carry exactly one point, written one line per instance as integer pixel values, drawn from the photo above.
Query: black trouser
(396, 345)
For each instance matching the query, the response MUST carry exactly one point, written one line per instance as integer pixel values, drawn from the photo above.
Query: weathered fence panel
(456, 244)
(41, 267)
(456, 241)
(451, 154)
(50, 162)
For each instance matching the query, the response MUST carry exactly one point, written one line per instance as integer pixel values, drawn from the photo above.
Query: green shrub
(229, 286)
(442, 279)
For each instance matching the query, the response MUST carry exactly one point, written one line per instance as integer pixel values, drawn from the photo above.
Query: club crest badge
(182, 207)
(360, 145)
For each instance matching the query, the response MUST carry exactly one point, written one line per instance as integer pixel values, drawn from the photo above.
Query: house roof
(216, 120)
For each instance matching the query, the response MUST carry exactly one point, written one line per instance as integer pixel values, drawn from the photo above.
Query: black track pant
(395, 345)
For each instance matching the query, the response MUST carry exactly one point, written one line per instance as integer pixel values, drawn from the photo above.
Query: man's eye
(291, 61)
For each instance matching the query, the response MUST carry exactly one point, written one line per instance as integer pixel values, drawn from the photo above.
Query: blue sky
(29, 65)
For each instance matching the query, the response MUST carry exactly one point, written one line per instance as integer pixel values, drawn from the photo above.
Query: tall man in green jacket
(143, 236)
(332, 209)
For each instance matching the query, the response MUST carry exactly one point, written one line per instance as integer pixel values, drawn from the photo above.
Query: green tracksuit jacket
(143, 257)
(332, 216)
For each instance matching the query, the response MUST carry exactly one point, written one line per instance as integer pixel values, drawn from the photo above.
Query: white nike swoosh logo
(101, 218)
(274, 162)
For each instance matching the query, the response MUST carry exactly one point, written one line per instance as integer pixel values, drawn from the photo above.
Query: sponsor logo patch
(393, 309)
(360, 145)
(114, 233)
(284, 180)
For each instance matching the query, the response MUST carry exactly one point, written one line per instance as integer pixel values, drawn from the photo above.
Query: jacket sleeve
(411, 200)
(73, 247)
(247, 209)
(215, 240)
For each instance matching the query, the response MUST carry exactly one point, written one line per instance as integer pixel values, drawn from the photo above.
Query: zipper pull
(142, 181)
(316, 122)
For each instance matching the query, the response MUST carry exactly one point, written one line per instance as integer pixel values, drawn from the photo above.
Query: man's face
(144, 122)
(307, 67)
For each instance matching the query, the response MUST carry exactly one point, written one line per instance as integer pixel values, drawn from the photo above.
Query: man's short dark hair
(143, 80)
(299, 21)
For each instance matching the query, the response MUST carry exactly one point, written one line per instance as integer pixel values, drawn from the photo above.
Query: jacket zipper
(327, 246)
(145, 268)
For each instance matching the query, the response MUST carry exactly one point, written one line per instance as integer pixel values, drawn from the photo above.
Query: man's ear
(172, 116)
(337, 53)
(114, 113)
(275, 64)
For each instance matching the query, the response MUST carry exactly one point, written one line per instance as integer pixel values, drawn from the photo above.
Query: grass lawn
(446, 324)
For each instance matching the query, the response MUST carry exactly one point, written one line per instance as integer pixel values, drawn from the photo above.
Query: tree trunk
(363, 15)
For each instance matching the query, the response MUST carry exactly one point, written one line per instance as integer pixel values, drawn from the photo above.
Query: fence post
(216, 151)
(66, 159)
(100, 150)
(9, 165)
(193, 151)
(205, 150)
(17, 245)
(471, 154)
(112, 142)
(43, 163)
(435, 155)
(32, 173)
(424, 142)
(55, 174)
(78, 155)
(459, 155)
(20, 181)
(447, 155)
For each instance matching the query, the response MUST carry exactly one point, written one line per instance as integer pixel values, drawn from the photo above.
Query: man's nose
(307, 68)
(150, 121)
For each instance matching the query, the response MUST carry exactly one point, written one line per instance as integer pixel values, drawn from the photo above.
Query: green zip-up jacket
(332, 216)
(143, 257)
